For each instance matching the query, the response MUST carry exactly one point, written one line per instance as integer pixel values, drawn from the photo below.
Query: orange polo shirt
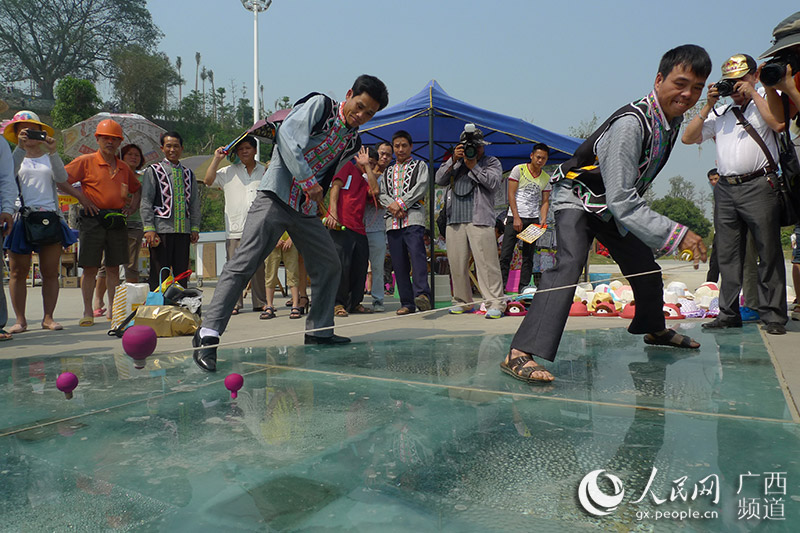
(99, 185)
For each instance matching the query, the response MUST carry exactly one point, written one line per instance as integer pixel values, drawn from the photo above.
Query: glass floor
(418, 435)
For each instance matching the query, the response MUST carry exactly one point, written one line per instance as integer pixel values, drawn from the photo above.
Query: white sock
(208, 332)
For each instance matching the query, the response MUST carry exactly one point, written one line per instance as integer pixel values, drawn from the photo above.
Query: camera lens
(772, 72)
(725, 87)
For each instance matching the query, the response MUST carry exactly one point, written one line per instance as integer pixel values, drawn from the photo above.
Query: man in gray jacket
(474, 179)
(314, 141)
(599, 193)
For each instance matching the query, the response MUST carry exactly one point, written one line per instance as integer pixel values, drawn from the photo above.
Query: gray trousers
(753, 207)
(750, 273)
(541, 329)
(377, 256)
(463, 241)
(258, 283)
(266, 221)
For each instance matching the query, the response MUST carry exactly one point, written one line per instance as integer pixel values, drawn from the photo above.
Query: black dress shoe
(718, 323)
(206, 358)
(775, 328)
(333, 339)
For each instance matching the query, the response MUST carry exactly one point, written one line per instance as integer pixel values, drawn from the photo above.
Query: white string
(397, 317)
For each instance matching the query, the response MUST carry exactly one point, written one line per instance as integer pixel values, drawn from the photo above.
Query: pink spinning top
(139, 342)
(234, 382)
(66, 383)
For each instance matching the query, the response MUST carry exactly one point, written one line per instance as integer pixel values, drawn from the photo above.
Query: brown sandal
(670, 337)
(515, 367)
(340, 311)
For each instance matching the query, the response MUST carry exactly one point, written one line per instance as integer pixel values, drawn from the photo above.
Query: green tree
(178, 65)
(76, 100)
(685, 212)
(136, 72)
(679, 187)
(244, 113)
(212, 209)
(585, 128)
(283, 103)
(46, 40)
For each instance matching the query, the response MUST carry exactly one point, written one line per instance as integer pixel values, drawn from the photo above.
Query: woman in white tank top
(37, 167)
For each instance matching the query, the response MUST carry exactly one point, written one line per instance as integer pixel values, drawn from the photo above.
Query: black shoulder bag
(41, 227)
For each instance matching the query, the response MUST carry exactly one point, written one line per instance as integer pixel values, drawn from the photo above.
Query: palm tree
(203, 76)
(179, 64)
(213, 92)
(196, 70)
(261, 112)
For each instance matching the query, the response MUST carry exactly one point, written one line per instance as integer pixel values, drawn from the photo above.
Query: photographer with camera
(474, 179)
(782, 73)
(744, 198)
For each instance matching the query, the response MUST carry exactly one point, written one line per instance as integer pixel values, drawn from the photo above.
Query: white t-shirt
(737, 152)
(529, 191)
(240, 190)
(36, 184)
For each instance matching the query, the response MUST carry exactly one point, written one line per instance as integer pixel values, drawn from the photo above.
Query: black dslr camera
(725, 87)
(470, 143)
(37, 135)
(774, 70)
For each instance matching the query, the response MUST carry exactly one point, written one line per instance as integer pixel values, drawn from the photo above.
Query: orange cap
(110, 128)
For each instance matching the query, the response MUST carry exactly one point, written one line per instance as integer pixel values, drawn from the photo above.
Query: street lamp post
(256, 6)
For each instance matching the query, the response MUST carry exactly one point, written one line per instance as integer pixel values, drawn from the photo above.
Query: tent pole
(431, 202)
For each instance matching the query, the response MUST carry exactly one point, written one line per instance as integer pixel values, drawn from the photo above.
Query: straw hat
(27, 117)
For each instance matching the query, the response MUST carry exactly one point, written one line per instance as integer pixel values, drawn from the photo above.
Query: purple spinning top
(66, 383)
(234, 382)
(139, 342)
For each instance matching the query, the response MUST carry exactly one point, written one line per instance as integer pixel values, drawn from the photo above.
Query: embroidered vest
(583, 168)
(162, 203)
(338, 147)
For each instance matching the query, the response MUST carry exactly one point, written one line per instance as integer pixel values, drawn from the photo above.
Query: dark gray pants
(541, 329)
(753, 207)
(266, 221)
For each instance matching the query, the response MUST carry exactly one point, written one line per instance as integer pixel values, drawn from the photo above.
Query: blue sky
(554, 64)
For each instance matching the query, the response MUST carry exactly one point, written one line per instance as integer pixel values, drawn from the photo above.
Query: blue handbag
(157, 297)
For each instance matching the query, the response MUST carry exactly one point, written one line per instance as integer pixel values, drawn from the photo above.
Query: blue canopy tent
(435, 121)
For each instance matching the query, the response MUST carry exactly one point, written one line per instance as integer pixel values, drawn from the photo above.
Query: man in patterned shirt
(403, 187)
(170, 210)
(598, 193)
(314, 141)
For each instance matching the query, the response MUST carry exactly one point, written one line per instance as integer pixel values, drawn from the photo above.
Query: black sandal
(297, 312)
(668, 339)
(515, 367)
(268, 313)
